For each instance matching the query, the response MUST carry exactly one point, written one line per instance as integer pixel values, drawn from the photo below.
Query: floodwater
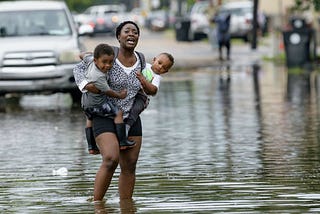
(247, 144)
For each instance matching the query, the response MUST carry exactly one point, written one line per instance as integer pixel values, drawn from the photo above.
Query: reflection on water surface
(248, 144)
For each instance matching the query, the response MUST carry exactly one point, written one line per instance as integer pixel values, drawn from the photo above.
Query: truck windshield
(27, 23)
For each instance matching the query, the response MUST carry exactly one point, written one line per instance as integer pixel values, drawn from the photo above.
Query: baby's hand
(122, 94)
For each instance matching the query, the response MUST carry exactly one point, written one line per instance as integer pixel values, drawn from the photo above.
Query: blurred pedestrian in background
(223, 34)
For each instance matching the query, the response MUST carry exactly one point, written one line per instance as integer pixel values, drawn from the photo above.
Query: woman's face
(129, 36)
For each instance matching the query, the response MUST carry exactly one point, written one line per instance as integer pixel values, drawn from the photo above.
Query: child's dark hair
(121, 25)
(102, 49)
(170, 57)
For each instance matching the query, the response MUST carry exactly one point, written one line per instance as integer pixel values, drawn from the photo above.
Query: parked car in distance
(103, 18)
(241, 18)
(138, 15)
(199, 23)
(159, 20)
(39, 48)
(83, 25)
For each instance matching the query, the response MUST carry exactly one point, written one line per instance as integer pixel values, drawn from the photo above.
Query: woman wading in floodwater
(121, 76)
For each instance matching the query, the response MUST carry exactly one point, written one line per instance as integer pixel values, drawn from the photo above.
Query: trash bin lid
(295, 38)
(298, 23)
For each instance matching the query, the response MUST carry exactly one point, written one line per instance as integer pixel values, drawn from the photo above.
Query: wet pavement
(216, 139)
(196, 54)
(212, 144)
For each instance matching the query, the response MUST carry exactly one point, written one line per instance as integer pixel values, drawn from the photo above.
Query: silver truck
(39, 46)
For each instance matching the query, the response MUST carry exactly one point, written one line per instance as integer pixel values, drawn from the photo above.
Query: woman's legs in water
(104, 131)
(128, 161)
(109, 149)
(111, 156)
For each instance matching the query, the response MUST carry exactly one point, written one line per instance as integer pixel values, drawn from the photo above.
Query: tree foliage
(302, 5)
(316, 5)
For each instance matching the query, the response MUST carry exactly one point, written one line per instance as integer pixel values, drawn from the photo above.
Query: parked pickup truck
(39, 48)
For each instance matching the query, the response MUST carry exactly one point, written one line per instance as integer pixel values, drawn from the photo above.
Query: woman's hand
(140, 77)
(122, 94)
(148, 87)
(82, 54)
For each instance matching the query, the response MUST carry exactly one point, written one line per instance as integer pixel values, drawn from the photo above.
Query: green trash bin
(297, 43)
(182, 27)
(297, 47)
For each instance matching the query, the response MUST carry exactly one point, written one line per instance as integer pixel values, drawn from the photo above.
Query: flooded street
(248, 144)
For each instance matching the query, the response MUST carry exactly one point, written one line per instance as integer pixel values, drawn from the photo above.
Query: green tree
(316, 5)
(302, 5)
(78, 5)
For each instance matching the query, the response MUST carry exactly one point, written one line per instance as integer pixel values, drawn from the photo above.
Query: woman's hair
(121, 25)
(102, 49)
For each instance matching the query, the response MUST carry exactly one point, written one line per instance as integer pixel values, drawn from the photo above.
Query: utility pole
(179, 8)
(254, 25)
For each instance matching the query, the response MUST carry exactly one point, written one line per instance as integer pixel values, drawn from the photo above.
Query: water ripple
(208, 147)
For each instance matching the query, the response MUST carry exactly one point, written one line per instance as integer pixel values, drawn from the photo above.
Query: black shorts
(104, 124)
